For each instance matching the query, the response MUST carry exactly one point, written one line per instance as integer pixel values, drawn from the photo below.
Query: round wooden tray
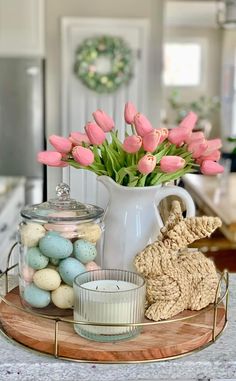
(155, 343)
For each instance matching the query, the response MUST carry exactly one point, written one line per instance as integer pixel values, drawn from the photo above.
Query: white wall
(212, 38)
(55, 9)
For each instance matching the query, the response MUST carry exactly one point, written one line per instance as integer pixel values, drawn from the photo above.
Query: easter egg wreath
(147, 156)
(115, 50)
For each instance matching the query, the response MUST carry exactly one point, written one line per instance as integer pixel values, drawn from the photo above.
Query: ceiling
(190, 13)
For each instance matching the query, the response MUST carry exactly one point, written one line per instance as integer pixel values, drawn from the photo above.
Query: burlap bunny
(178, 278)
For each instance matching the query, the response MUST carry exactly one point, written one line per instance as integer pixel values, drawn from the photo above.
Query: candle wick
(96, 287)
(117, 286)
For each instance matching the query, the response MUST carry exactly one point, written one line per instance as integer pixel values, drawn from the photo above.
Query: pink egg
(92, 266)
(69, 235)
(61, 228)
(28, 273)
(63, 213)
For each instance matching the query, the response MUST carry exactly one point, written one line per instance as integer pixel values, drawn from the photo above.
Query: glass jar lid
(62, 209)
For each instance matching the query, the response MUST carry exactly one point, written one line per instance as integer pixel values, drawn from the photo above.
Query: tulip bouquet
(147, 156)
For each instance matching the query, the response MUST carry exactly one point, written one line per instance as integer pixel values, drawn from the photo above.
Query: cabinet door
(21, 27)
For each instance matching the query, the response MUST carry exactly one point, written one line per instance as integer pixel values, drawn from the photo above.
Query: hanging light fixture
(226, 14)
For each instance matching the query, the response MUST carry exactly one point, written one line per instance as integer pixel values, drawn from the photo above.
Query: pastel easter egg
(35, 259)
(70, 235)
(55, 246)
(28, 273)
(92, 266)
(61, 228)
(90, 232)
(31, 233)
(47, 279)
(84, 251)
(36, 297)
(63, 296)
(69, 268)
(63, 213)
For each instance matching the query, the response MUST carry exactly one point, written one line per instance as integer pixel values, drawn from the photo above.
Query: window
(182, 64)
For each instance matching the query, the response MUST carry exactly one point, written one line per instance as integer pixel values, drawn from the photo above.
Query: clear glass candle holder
(109, 297)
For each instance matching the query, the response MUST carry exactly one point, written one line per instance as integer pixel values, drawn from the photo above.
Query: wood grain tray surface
(156, 342)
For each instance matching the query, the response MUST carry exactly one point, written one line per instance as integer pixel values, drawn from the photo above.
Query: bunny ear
(174, 218)
(189, 230)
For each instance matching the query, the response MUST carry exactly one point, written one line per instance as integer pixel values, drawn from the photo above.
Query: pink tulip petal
(170, 164)
(209, 167)
(142, 124)
(104, 121)
(147, 164)
(61, 144)
(132, 144)
(130, 112)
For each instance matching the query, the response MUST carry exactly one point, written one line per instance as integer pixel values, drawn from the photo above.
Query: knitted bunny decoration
(178, 278)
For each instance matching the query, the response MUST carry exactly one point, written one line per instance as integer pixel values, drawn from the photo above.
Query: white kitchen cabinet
(10, 205)
(21, 27)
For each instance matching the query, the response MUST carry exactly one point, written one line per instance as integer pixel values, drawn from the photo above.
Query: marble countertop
(217, 362)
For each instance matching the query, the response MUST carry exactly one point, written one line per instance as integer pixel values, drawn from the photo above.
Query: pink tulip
(209, 167)
(189, 121)
(95, 134)
(51, 158)
(61, 144)
(169, 164)
(213, 144)
(142, 124)
(77, 138)
(214, 156)
(197, 147)
(195, 136)
(151, 140)
(179, 135)
(164, 134)
(83, 156)
(147, 164)
(103, 120)
(130, 112)
(132, 144)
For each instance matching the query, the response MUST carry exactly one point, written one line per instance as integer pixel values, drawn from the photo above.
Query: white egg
(47, 279)
(63, 297)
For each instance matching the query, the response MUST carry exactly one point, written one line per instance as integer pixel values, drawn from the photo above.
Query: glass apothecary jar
(59, 239)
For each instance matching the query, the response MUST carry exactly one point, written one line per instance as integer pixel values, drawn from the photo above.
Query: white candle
(108, 301)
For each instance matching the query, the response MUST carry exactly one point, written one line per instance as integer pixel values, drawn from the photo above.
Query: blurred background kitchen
(183, 57)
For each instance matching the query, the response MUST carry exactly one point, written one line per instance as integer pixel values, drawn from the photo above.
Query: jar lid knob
(63, 191)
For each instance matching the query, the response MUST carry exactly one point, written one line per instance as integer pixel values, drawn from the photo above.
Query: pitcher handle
(180, 192)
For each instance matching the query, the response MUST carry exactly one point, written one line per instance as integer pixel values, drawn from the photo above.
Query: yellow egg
(31, 233)
(63, 296)
(47, 279)
(89, 232)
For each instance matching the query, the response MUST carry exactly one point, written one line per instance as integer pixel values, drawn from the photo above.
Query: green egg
(36, 297)
(84, 251)
(35, 259)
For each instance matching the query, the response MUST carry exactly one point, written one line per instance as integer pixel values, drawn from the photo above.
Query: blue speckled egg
(69, 268)
(36, 297)
(54, 246)
(84, 251)
(35, 259)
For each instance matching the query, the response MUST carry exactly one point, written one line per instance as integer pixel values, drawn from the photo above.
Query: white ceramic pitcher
(132, 220)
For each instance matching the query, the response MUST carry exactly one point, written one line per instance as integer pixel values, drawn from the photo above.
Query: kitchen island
(216, 362)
